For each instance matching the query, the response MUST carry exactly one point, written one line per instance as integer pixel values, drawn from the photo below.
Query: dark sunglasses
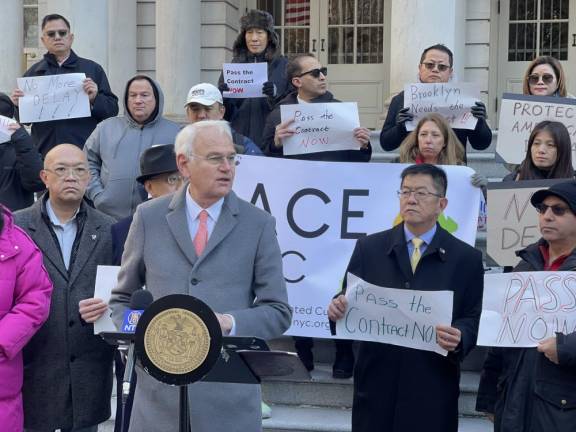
(558, 210)
(535, 78)
(52, 33)
(441, 67)
(315, 72)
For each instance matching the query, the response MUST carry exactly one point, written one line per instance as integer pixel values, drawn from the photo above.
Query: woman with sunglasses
(545, 77)
(257, 42)
(25, 291)
(548, 155)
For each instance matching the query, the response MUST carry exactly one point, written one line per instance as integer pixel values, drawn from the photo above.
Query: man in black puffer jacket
(534, 389)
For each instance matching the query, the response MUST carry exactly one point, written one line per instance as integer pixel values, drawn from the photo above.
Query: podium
(178, 341)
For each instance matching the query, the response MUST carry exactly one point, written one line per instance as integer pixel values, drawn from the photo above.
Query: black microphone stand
(184, 413)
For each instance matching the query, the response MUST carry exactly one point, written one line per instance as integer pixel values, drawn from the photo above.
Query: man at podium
(206, 242)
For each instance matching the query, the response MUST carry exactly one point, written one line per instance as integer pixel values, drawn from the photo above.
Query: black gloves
(479, 110)
(269, 89)
(403, 116)
(223, 87)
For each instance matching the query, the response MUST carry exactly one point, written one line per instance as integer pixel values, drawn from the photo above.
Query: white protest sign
(395, 316)
(320, 127)
(5, 133)
(321, 208)
(245, 80)
(520, 113)
(522, 309)
(451, 100)
(53, 97)
(106, 280)
(512, 221)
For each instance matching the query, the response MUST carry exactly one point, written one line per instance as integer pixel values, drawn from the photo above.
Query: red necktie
(201, 238)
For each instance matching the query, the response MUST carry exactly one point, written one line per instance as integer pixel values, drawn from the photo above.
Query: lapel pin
(93, 236)
(442, 251)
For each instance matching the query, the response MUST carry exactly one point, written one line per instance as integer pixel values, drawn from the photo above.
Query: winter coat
(73, 131)
(20, 166)
(274, 120)
(248, 116)
(399, 389)
(113, 151)
(67, 368)
(525, 390)
(25, 291)
(392, 135)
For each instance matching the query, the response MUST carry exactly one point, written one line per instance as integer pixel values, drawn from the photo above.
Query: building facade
(371, 47)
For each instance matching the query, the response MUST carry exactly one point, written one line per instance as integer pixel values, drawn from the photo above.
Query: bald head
(64, 151)
(66, 174)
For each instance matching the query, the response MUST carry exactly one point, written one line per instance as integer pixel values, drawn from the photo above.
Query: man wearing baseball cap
(204, 102)
(532, 389)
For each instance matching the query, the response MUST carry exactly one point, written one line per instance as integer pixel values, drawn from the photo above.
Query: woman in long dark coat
(257, 43)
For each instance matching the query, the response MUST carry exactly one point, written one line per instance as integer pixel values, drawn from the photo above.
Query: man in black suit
(404, 389)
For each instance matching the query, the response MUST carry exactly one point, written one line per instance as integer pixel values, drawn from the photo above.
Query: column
(122, 50)
(89, 22)
(178, 51)
(417, 24)
(12, 49)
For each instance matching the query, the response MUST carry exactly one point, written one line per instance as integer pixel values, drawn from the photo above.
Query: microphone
(139, 301)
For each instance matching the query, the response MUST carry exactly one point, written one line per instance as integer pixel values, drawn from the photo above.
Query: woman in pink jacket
(25, 291)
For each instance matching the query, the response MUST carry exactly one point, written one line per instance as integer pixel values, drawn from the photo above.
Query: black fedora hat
(156, 160)
(566, 191)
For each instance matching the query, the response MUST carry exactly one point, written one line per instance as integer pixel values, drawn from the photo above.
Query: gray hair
(187, 136)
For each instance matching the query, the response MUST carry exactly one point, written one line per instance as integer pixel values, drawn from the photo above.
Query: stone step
(325, 391)
(324, 352)
(318, 419)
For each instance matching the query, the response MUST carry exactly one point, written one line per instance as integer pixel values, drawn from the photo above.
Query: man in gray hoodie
(115, 146)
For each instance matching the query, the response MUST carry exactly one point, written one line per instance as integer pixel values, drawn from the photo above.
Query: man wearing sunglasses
(61, 59)
(309, 79)
(532, 389)
(435, 67)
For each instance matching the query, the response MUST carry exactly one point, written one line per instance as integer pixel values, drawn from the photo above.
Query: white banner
(522, 309)
(451, 100)
(320, 127)
(520, 113)
(400, 317)
(5, 133)
(245, 80)
(321, 208)
(53, 97)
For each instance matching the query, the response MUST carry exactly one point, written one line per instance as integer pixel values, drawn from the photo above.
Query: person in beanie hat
(20, 163)
(257, 42)
(532, 389)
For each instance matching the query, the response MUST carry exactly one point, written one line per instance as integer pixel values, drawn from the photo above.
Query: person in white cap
(204, 102)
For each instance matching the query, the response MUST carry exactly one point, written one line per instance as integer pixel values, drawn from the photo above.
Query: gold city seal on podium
(177, 341)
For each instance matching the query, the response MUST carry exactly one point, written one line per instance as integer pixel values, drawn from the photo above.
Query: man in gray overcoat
(67, 369)
(206, 242)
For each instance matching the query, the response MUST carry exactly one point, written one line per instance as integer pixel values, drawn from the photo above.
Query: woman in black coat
(256, 43)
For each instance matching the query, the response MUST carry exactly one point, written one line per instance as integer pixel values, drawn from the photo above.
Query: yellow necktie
(415, 258)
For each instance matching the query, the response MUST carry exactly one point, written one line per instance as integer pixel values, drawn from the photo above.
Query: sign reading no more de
(53, 97)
